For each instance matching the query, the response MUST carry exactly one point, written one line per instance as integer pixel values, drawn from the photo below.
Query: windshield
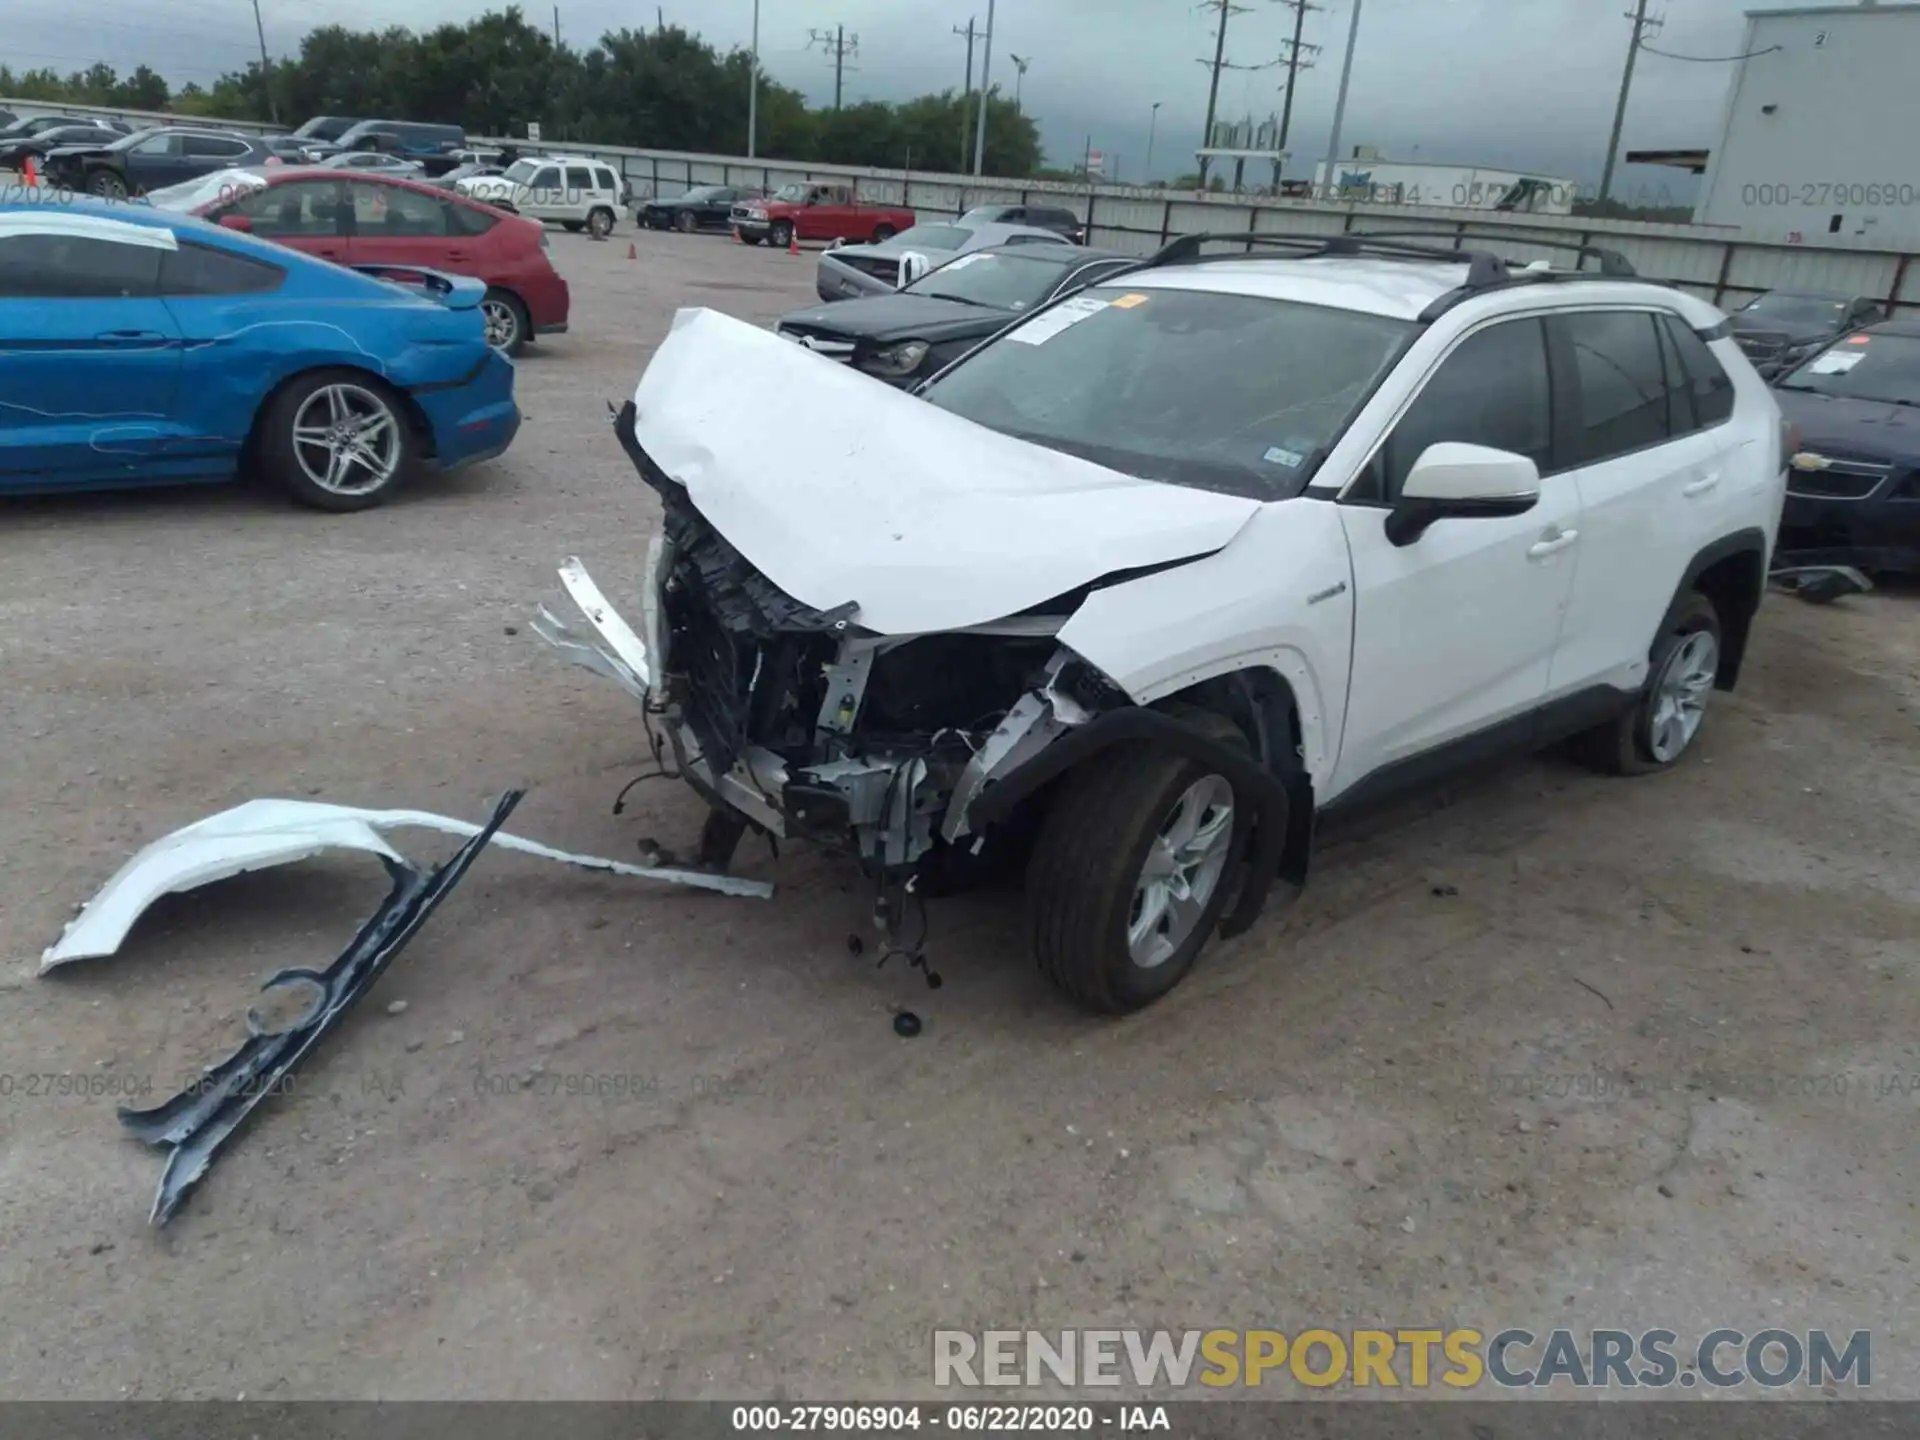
(1798, 309)
(934, 237)
(1211, 391)
(1006, 282)
(191, 195)
(981, 215)
(1864, 367)
(521, 172)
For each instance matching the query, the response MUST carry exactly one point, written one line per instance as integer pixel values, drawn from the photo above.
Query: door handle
(1552, 544)
(149, 337)
(1700, 486)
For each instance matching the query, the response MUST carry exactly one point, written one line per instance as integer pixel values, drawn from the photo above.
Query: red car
(816, 210)
(365, 219)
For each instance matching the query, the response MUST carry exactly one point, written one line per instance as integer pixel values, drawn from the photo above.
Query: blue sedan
(140, 347)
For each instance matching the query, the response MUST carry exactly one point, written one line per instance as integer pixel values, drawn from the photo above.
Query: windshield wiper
(956, 299)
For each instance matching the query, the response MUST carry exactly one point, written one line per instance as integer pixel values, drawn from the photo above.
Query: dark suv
(1056, 218)
(1780, 329)
(151, 160)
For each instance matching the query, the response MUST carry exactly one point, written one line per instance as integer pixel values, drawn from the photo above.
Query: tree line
(661, 89)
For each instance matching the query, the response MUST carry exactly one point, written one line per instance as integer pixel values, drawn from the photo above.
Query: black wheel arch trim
(1736, 626)
(1283, 804)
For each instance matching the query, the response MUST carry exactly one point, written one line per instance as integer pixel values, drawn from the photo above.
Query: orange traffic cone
(26, 172)
(632, 254)
(793, 242)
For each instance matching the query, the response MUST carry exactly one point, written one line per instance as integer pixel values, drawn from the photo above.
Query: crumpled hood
(841, 489)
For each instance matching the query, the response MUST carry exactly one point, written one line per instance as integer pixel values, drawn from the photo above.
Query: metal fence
(1713, 263)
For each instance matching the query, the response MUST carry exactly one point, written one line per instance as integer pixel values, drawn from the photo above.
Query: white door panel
(1455, 632)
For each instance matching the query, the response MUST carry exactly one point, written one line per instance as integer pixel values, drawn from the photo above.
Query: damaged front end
(805, 724)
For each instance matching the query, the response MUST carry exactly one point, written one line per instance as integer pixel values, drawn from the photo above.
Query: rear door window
(395, 212)
(1709, 386)
(579, 179)
(1620, 380)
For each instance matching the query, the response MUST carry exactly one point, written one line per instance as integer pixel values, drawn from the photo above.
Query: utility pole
(966, 100)
(753, 89)
(1020, 64)
(1340, 105)
(1153, 124)
(1226, 8)
(838, 47)
(556, 27)
(1639, 18)
(266, 66)
(986, 93)
(1294, 67)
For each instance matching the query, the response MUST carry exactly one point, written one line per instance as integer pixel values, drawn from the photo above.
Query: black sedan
(14, 150)
(705, 207)
(1853, 487)
(1781, 328)
(908, 336)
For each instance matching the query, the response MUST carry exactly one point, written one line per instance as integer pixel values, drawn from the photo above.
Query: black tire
(882, 234)
(1625, 744)
(600, 222)
(781, 235)
(508, 326)
(1087, 864)
(686, 222)
(108, 184)
(573, 227)
(279, 461)
(746, 239)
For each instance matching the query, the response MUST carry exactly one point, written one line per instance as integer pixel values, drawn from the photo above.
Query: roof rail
(1485, 270)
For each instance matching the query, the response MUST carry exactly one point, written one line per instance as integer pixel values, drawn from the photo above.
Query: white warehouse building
(1822, 123)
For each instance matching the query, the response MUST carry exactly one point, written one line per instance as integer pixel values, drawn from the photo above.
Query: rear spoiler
(456, 292)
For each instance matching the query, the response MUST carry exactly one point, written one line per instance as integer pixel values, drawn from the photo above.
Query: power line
(1710, 59)
(839, 45)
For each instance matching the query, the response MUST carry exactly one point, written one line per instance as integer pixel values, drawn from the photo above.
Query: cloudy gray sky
(1523, 83)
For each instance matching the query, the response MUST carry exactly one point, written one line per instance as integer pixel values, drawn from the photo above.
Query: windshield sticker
(1127, 302)
(1292, 459)
(1836, 362)
(1043, 328)
(1861, 340)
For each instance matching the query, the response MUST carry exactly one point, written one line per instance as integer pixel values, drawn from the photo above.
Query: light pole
(753, 87)
(1020, 64)
(1340, 105)
(1153, 124)
(986, 90)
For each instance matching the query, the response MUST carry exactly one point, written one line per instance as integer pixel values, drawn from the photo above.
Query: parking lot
(1561, 1050)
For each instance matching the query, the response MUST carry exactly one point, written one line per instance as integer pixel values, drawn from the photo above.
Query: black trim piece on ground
(1272, 798)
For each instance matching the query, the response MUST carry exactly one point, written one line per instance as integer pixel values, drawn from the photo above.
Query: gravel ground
(1320, 1128)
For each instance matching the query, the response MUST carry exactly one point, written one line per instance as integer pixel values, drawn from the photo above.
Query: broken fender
(264, 833)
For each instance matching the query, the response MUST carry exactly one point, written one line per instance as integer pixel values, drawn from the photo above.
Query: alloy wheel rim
(1182, 870)
(346, 440)
(1680, 698)
(502, 325)
(597, 223)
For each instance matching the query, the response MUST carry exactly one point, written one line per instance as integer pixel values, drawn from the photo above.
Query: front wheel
(781, 235)
(107, 184)
(336, 440)
(1659, 728)
(1130, 874)
(600, 222)
(507, 326)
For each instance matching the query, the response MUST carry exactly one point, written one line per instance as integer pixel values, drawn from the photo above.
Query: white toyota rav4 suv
(1136, 591)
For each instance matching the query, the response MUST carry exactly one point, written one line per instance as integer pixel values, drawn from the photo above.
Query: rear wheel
(882, 234)
(600, 222)
(506, 320)
(1659, 728)
(1132, 869)
(336, 440)
(107, 183)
